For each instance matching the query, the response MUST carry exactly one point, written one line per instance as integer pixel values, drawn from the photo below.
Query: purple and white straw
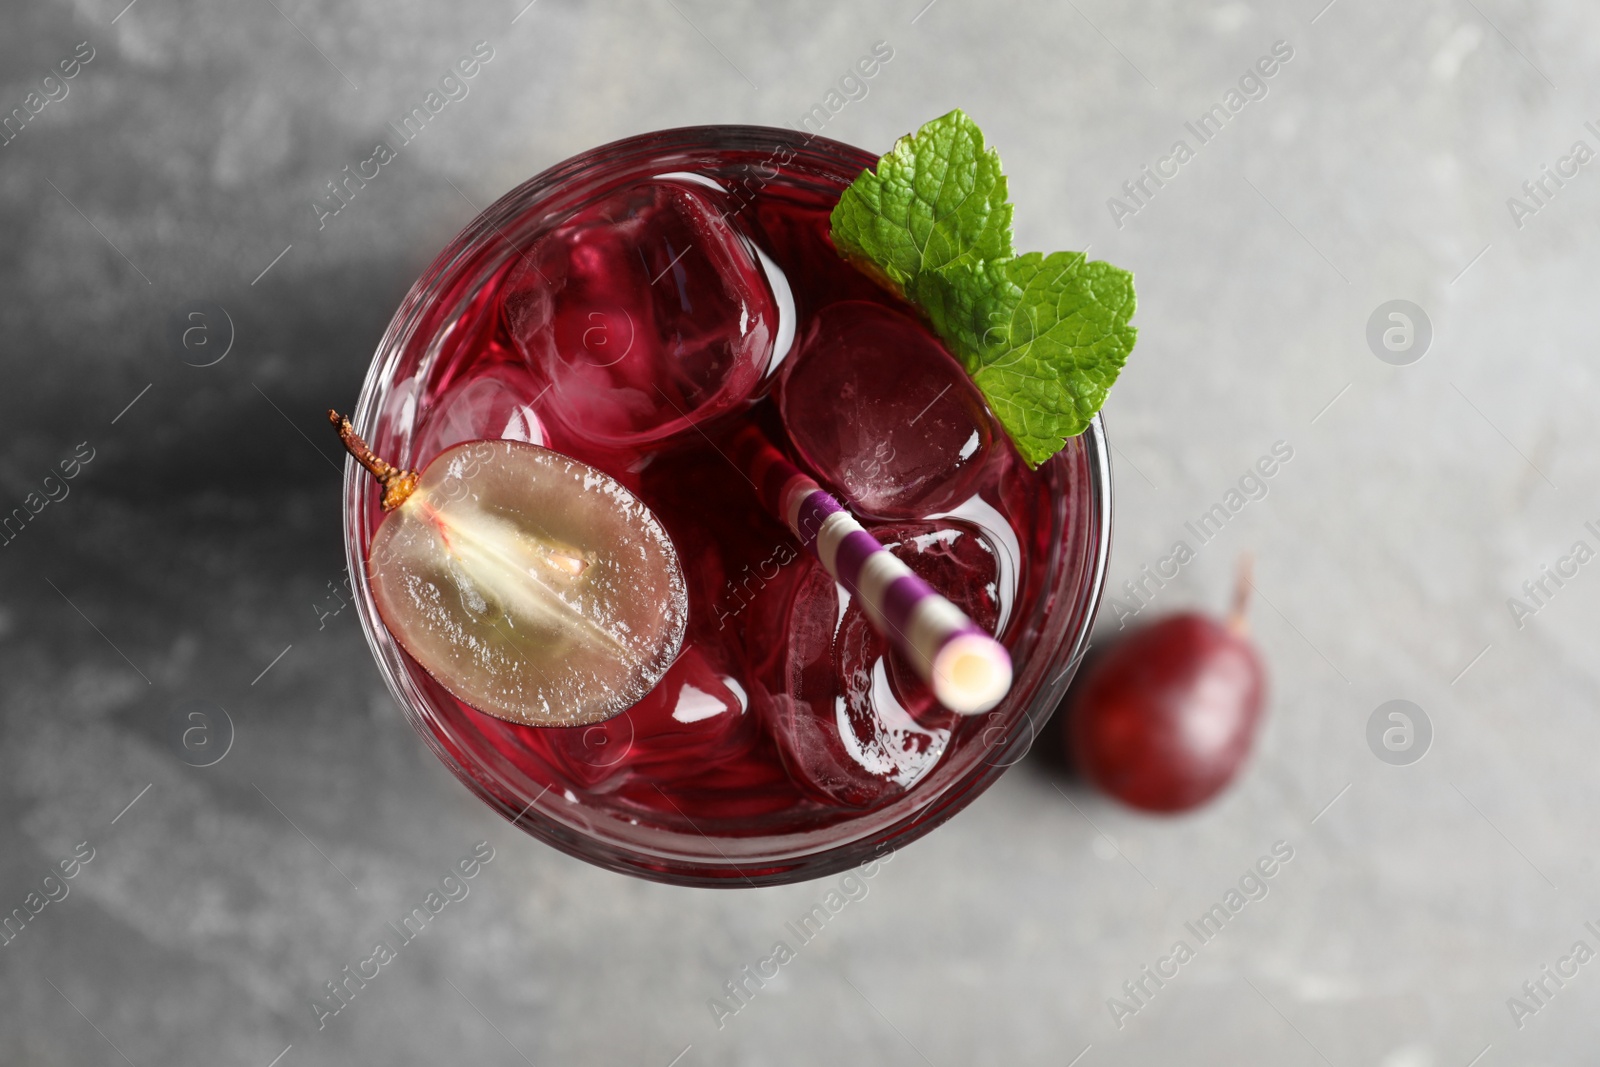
(969, 671)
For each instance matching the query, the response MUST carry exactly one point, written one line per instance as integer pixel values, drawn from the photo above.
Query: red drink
(634, 308)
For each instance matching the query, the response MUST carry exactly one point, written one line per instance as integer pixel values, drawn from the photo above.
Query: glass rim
(670, 866)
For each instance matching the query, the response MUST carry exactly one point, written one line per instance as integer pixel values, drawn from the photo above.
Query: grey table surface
(193, 549)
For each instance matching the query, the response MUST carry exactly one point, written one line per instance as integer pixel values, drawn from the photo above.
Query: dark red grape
(1166, 719)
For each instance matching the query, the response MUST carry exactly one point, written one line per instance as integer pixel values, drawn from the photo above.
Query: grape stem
(397, 484)
(1242, 586)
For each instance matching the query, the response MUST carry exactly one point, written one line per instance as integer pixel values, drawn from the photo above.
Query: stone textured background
(196, 545)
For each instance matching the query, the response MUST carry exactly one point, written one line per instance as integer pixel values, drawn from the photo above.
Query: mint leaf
(1044, 338)
(936, 199)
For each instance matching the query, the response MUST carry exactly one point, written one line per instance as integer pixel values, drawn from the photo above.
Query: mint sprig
(938, 198)
(1043, 336)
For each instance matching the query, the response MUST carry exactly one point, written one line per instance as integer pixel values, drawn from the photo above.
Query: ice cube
(883, 414)
(852, 720)
(697, 717)
(645, 311)
(496, 404)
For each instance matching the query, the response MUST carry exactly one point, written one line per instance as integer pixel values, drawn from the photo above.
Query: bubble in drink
(645, 311)
(530, 585)
(882, 413)
(851, 717)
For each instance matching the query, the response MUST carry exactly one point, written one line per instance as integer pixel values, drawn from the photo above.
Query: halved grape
(532, 586)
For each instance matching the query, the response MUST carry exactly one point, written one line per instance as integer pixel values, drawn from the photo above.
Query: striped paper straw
(968, 670)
